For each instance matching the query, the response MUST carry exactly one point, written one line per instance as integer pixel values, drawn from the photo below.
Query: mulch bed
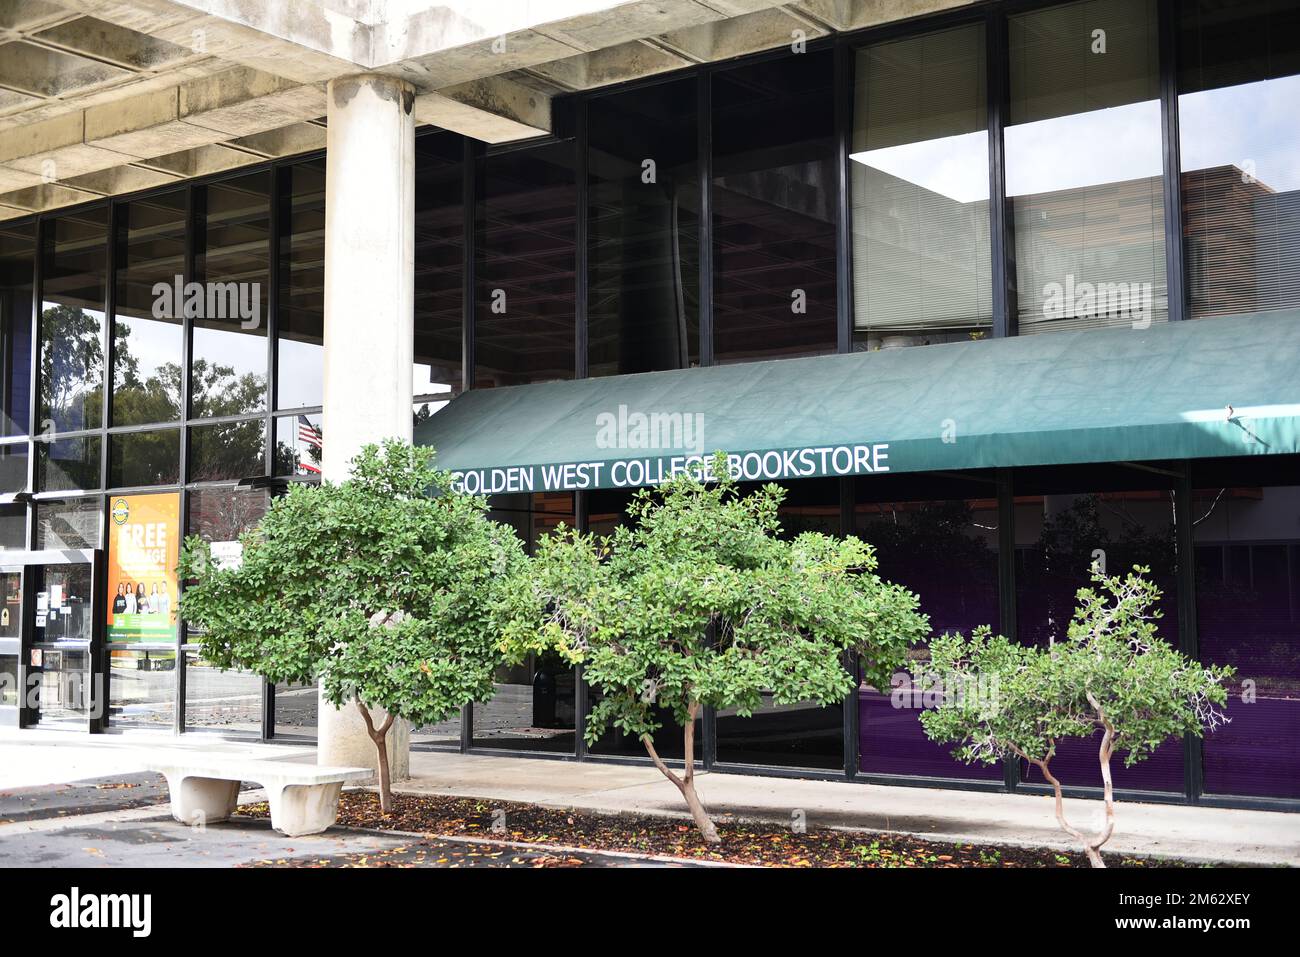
(765, 845)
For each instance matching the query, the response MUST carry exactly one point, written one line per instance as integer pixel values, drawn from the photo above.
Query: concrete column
(369, 302)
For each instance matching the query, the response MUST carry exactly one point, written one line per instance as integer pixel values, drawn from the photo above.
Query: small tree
(699, 603)
(1112, 674)
(385, 587)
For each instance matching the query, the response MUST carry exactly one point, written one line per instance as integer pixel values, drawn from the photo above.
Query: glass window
(1084, 167)
(938, 537)
(226, 701)
(223, 514)
(17, 258)
(74, 523)
(66, 465)
(643, 230)
(228, 370)
(13, 467)
(295, 712)
(534, 705)
(147, 329)
(524, 325)
(775, 189)
(300, 322)
(1238, 85)
(1247, 542)
(920, 191)
(439, 255)
(13, 526)
(142, 687)
(72, 322)
(804, 734)
(229, 450)
(144, 458)
(1123, 518)
(298, 445)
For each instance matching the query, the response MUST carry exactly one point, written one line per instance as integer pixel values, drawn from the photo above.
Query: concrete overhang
(99, 97)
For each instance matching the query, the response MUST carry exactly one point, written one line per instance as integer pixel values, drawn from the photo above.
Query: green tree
(1111, 675)
(384, 587)
(700, 603)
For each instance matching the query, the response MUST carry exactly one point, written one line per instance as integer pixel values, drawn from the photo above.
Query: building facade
(1007, 289)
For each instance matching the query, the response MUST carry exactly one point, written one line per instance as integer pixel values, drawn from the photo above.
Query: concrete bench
(304, 798)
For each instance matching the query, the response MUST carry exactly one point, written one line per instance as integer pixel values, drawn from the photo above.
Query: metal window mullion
(1188, 638)
(1175, 276)
(580, 252)
(1001, 234)
(33, 384)
(704, 161)
(191, 238)
(278, 197)
(469, 260)
(1007, 584)
(852, 721)
(844, 78)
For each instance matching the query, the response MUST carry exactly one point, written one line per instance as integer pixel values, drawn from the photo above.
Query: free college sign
(770, 465)
(143, 550)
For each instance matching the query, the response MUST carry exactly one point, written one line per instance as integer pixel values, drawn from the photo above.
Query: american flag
(310, 435)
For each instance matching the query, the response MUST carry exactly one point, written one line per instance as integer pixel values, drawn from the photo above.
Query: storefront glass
(439, 271)
(944, 548)
(17, 261)
(1084, 167)
(643, 230)
(1238, 85)
(920, 191)
(300, 318)
(775, 187)
(74, 261)
(801, 734)
(228, 369)
(1062, 531)
(146, 333)
(534, 705)
(1247, 535)
(524, 327)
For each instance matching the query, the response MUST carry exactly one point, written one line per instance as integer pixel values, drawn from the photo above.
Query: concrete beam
(36, 199)
(120, 179)
(200, 161)
(286, 141)
(40, 71)
(764, 30)
(494, 110)
(855, 14)
(627, 61)
(118, 45)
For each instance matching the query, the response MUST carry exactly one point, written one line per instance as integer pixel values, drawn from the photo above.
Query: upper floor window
(920, 191)
(1239, 98)
(1084, 166)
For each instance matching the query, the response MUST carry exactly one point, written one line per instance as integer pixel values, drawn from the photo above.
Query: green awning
(1100, 396)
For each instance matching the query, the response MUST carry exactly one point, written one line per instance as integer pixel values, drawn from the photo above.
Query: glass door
(61, 642)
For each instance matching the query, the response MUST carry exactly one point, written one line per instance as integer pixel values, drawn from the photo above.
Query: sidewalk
(1195, 833)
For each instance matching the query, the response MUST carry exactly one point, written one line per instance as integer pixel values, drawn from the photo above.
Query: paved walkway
(1198, 833)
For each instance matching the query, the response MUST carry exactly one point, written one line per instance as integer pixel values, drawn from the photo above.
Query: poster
(143, 549)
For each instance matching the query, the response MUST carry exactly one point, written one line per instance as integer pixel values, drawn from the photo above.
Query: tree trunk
(1090, 847)
(686, 783)
(380, 738)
